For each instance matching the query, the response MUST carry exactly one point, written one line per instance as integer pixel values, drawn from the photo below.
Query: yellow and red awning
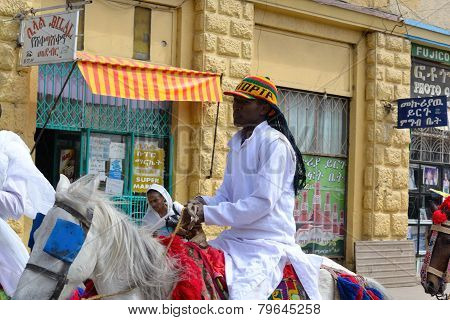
(132, 79)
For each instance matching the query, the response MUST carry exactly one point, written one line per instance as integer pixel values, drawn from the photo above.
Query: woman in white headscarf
(162, 213)
(23, 191)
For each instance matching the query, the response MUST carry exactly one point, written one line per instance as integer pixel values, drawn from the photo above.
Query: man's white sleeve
(11, 199)
(270, 182)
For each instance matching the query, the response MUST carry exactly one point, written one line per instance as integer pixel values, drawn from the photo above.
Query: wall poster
(67, 163)
(148, 166)
(320, 208)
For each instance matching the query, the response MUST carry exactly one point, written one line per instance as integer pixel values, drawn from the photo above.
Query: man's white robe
(23, 191)
(256, 199)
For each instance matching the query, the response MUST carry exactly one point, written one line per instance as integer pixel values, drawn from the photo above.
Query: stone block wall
(387, 152)
(222, 43)
(18, 111)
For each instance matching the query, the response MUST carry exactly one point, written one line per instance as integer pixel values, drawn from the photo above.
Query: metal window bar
(318, 123)
(134, 206)
(430, 145)
(79, 108)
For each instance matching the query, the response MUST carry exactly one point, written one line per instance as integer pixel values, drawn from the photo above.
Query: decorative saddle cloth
(203, 274)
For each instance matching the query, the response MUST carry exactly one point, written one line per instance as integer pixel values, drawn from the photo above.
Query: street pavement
(410, 293)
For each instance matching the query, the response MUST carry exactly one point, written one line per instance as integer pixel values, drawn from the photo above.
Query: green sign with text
(429, 53)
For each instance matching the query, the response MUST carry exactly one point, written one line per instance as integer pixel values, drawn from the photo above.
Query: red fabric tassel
(189, 287)
(445, 206)
(439, 216)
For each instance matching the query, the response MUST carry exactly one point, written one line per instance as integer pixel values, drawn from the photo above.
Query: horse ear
(63, 183)
(94, 184)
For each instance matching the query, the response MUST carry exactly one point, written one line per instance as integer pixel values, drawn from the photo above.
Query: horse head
(65, 249)
(435, 271)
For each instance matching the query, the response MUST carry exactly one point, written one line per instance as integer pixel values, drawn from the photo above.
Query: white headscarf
(16, 163)
(152, 218)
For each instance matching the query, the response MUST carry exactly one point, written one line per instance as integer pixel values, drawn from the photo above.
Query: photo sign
(49, 38)
(422, 112)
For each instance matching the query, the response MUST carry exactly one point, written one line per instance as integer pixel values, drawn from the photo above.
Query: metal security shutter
(392, 263)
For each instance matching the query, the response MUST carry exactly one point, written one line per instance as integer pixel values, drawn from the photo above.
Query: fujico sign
(49, 38)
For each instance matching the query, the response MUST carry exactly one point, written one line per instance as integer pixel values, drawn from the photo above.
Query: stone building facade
(387, 151)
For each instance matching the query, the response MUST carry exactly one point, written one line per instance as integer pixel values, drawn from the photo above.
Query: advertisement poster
(148, 166)
(430, 175)
(67, 163)
(114, 187)
(446, 181)
(320, 208)
(117, 150)
(115, 169)
(99, 148)
(49, 38)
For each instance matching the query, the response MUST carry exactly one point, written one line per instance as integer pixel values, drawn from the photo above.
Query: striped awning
(133, 79)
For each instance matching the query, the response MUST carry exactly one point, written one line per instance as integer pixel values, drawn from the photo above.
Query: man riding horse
(264, 173)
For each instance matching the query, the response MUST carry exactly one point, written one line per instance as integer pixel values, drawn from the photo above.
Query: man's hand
(195, 211)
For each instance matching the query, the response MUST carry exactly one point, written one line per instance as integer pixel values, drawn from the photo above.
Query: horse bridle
(444, 275)
(61, 278)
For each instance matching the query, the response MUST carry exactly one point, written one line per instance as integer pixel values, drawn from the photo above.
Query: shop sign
(320, 208)
(422, 112)
(429, 79)
(432, 54)
(148, 166)
(49, 38)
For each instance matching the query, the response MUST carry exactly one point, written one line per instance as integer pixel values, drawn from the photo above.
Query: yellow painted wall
(307, 63)
(182, 112)
(109, 29)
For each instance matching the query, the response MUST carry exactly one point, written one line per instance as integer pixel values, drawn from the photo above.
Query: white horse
(123, 259)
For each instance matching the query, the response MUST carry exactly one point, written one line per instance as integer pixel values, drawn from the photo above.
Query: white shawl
(152, 218)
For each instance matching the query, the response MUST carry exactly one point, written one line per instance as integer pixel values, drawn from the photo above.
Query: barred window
(318, 122)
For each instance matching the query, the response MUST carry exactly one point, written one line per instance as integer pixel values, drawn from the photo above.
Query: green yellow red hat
(254, 87)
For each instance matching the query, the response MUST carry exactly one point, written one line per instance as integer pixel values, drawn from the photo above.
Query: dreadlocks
(278, 122)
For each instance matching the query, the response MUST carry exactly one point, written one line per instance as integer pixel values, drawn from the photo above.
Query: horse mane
(130, 254)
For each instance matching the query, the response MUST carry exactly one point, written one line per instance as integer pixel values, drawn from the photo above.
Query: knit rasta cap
(255, 87)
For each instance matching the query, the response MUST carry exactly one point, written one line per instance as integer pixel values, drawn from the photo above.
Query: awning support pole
(215, 136)
(214, 143)
(53, 107)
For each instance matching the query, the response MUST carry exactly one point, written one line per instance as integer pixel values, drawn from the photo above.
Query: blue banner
(422, 112)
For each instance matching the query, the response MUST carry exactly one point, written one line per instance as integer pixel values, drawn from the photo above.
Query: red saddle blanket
(202, 274)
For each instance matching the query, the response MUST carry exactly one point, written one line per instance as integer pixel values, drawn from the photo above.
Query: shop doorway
(59, 152)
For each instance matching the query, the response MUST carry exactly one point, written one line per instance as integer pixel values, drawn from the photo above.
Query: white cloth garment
(23, 188)
(13, 258)
(256, 199)
(23, 191)
(152, 218)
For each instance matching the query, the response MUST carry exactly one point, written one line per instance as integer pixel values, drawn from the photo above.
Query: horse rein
(445, 276)
(61, 278)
